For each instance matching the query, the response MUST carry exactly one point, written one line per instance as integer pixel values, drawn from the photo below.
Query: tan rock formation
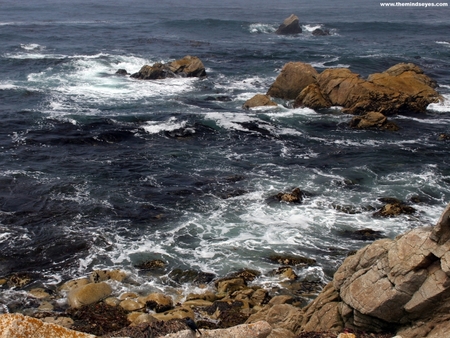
(259, 100)
(402, 88)
(20, 326)
(294, 77)
(401, 284)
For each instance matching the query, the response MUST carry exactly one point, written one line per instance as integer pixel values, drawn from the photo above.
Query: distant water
(103, 171)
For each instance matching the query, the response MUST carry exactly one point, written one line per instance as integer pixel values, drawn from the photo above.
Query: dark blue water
(104, 171)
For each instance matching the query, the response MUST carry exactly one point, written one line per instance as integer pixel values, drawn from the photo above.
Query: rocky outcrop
(189, 66)
(20, 326)
(402, 88)
(259, 100)
(289, 26)
(294, 77)
(400, 285)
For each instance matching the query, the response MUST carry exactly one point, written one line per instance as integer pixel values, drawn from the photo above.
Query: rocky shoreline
(392, 287)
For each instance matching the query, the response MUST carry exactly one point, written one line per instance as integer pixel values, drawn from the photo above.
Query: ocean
(101, 171)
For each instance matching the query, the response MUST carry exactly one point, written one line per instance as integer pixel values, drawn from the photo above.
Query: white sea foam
(311, 28)
(445, 43)
(262, 28)
(32, 46)
(442, 106)
(154, 127)
(326, 64)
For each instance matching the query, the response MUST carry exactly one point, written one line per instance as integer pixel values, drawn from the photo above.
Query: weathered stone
(320, 32)
(312, 97)
(294, 77)
(104, 275)
(280, 316)
(296, 196)
(177, 313)
(189, 66)
(151, 265)
(441, 231)
(289, 26)
(39, 293)
(256, 330)
(20, 326)
(292, 260)
(88, 294)
(131, 305)
(373, 120)
(157, 302)
(231, 285)
(73, 284)
(259, 100)
(394, 209)
(62, 321)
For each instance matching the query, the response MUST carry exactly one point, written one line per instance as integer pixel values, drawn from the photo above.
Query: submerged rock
(394, 207)
(320, 32)
(289, 26)
(296, 196)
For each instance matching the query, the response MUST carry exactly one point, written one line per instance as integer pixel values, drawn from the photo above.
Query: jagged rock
(180, 276)
(373, 120)
(409, 278)
(296, 196)
(292, 260)
(294, 77)
(177, 313)
(312, 97)
(289, 26)
(283, 316)
(259, 329)
(259, 100)
(394, 208)
(151, 265)
(88, 294)
(19, 326)
(402, 88)
(248, 275)
(189, 66)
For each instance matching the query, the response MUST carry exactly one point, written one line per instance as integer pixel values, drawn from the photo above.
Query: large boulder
(88, 294)
(294, 77)
(289, 26)
(401, 284)
(189, 66)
